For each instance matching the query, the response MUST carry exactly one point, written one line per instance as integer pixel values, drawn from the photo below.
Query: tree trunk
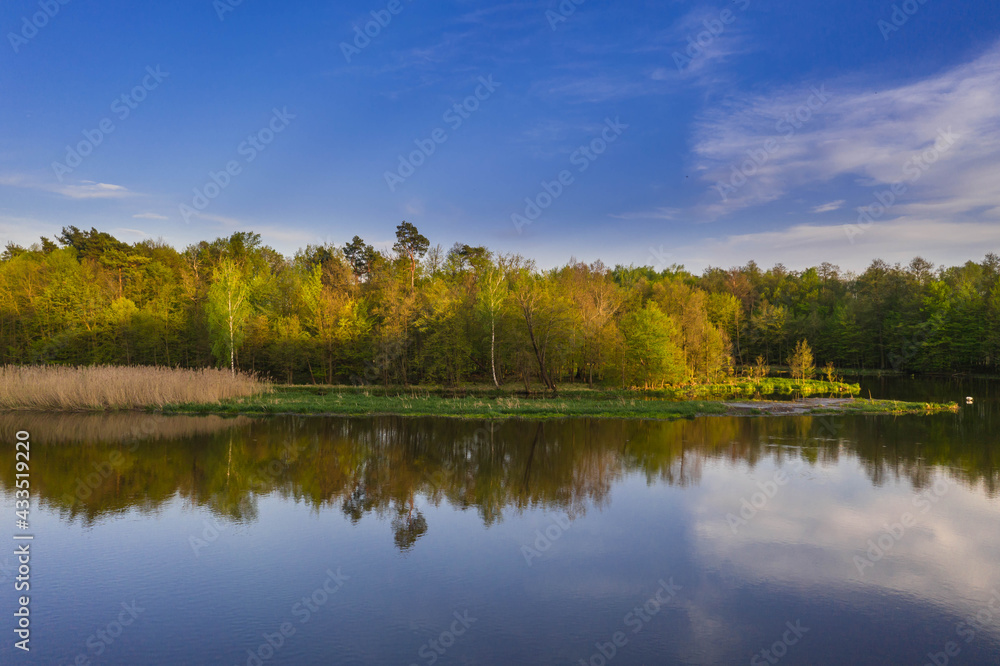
(540, 357)
(493, 341)
(232, 335)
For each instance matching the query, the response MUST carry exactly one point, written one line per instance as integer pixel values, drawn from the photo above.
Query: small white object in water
(968, 400)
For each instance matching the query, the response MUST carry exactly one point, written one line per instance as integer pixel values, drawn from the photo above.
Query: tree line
(421, 314)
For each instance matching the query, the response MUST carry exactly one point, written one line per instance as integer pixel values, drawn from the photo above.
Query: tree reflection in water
(92, 467)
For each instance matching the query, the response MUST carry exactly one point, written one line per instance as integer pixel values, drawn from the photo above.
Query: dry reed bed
(58, 388)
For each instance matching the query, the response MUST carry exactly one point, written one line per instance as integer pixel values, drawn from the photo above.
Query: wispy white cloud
(802, 245)
(92, 190)
(150, 216)
(865, 135)
(686, 53)
(131, 232)
(704, 39)
(657, 214)
(830, 207)
(86, 189)
(456, 45)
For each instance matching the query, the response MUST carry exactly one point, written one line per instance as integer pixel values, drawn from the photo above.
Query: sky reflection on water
(542, 543)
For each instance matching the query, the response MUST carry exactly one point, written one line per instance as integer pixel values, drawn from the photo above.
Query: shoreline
(767, 397)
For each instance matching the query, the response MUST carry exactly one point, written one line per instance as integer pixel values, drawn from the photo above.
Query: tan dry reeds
(47, 388)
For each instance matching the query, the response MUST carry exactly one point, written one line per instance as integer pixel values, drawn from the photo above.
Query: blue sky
(683, 132)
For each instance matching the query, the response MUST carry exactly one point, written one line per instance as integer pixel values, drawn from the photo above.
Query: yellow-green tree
(801, 361)
(652, 354)
(228, 310)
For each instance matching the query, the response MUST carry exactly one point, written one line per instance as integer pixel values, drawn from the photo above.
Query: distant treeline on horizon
(420, 314)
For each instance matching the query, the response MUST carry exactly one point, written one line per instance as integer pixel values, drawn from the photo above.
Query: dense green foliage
(417, 314)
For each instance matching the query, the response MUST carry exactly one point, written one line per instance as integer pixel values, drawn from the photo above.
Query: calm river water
(799, 540)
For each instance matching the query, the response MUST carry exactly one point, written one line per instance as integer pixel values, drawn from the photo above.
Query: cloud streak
(900, 240)
(864, 138)
(87, 189)
(830, 207)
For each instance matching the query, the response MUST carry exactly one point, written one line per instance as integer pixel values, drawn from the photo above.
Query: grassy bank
(98, 388)
(110, 389)
(349, 401)
(415, 402)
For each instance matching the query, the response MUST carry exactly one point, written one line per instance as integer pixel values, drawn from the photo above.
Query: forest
(420, 314)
